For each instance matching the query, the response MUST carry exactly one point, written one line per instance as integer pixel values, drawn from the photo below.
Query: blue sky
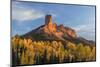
(27, 16)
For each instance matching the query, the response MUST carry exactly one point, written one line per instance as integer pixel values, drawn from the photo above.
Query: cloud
(22, 13)
(86, 30)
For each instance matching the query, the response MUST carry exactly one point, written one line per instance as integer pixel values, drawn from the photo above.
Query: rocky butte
(51, 31)
(51, 27)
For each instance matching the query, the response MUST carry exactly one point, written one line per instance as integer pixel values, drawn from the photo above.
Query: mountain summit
(60, 30)
(52, 31)
(49, 26)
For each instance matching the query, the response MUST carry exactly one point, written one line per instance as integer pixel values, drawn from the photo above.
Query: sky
(27, 16)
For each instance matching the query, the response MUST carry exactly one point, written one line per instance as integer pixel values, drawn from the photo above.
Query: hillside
(51, 44)
(52, 31)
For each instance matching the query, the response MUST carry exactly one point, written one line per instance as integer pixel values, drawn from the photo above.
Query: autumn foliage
(27, 51)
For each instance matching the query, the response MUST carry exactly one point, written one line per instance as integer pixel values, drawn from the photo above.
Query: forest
(27, 51)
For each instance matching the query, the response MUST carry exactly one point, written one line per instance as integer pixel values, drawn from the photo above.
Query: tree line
(26, 51)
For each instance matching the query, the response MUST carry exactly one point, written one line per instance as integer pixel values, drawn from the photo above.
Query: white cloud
(86, 30)
(22, 13)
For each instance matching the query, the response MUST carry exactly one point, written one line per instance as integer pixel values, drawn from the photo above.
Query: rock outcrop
(66, 30)
(53, 30)
(60, 30)
(49, 27)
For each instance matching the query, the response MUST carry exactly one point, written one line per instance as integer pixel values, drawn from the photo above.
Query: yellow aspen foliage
(71, 46)
(22, 59)
(94, 53)
(87, 52)
(35, 52)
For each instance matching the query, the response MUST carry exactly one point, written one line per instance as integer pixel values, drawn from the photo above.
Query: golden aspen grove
(27, 51)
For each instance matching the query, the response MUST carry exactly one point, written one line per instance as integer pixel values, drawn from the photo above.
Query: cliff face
(49, 27)
(67, 30)
(52, 30)
(60, 30)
